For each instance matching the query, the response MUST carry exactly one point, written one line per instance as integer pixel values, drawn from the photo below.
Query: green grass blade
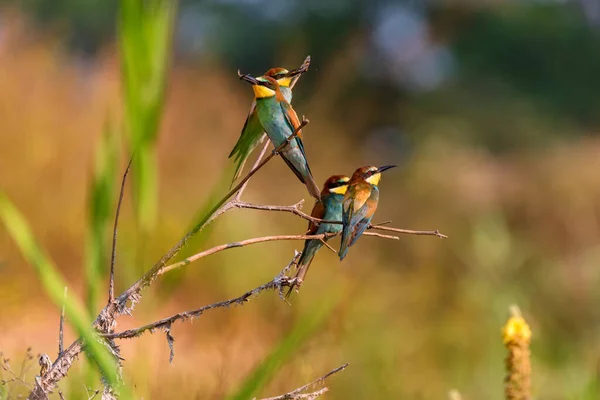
(170, 281)
(54, 285)
(285, 349)
(145, 31)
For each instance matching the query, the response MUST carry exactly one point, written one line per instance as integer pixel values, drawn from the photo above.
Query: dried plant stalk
(517, 337)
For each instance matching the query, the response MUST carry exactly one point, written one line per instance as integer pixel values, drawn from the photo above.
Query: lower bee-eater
(328, 209)
(279, 120)
(359, 204)
(252, 132)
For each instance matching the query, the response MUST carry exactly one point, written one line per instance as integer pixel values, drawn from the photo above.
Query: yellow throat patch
(284, 82)
(339, 189)
(261, 91)
(374, 179)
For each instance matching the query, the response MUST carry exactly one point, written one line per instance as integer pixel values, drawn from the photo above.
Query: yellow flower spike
(516, 328)
(517, 337)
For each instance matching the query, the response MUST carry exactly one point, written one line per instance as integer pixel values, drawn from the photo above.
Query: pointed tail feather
(308, 180)
(312, 187)
(310, 249)
(345, 242)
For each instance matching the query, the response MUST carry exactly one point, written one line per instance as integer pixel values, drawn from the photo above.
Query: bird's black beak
(298, 71)
(250, 79)
(385, 168)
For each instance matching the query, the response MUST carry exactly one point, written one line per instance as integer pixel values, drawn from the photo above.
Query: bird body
(359, 204)
(279, 120)
(253, 133)
(328, 209)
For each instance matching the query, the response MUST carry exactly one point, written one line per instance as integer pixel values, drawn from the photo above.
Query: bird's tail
(345, 242)
(310, 249)
(312, 187)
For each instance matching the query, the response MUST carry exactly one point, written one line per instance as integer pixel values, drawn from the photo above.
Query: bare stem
(113, 254)
(61, 325)
(241, 243)
(408, 231)
(297, 393)
(280, 281)
(295, 209)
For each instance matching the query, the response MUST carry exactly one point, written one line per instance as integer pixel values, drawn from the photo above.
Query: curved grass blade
(53, 284)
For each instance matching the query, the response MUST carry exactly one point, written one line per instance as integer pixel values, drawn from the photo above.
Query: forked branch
(279, 282)
(300, 393)
(134, 290)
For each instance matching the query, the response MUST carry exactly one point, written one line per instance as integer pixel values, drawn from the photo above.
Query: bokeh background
(490, 108)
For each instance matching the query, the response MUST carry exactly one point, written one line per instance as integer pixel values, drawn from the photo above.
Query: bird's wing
(318, 211)
(356, 197)
(252, 134)
(362, 218)
(291, 117)
(359, 207)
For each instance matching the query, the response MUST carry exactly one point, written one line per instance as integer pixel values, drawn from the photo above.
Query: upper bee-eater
(359, 204)
(279, 120)
(252, 132)
(328, 209)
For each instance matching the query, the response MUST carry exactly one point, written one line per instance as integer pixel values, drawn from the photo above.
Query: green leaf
(145, 31)
(54, 284)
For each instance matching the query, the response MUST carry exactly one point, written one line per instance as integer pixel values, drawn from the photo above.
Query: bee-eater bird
(252, 132)
(359, 204)
(328, 209)
(279, 120)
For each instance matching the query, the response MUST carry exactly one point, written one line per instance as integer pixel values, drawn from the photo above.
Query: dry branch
(298, 393)
(132, 294)
(296, 210)
(279, 282)
(113, 253)
(61, 325)
(105, 322)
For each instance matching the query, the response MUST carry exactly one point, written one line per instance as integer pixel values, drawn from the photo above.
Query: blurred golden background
(491, 112)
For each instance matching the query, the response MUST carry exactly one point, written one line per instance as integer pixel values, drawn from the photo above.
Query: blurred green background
(491, 109)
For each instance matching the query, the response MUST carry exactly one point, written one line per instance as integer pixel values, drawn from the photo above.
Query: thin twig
(241, 243)
(279, 282)
(297, 393)
(295, 209)
(389, 221)
(61, 326)
(381, 235)
(408, 231)
(327, 245)
(90, 397)
(4, 364)
(113, 254)
(301, 396)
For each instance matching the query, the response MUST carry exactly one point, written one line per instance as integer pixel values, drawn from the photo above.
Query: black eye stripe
(338, 184)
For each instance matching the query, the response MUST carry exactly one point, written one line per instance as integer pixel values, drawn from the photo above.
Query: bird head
(371, 174)
(263, 86)
(287, 78)
(337, 184)
(280, 75)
